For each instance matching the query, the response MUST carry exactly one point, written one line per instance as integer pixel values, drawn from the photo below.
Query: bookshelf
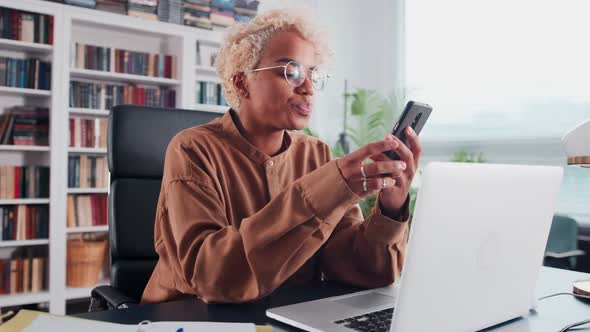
(73, 25)
(23, 46)
(24, 91)
(120, 77)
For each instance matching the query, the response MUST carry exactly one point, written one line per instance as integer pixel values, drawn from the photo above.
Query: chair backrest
(137, 141)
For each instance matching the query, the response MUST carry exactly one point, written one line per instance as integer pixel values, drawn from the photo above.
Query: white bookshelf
(206, 70)
(210, 108)
(24, 148)
(121, 77)
(23, 243)
(23, 298)
(91, 27)
(31, 48)
(91, 229)
(88, 112)
(73, 293)
(87, 150)
(24, 91)
(28, 201)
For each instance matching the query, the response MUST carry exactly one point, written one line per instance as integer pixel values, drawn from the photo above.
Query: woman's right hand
(379, 174)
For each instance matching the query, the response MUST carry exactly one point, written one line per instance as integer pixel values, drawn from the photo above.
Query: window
(506, 79)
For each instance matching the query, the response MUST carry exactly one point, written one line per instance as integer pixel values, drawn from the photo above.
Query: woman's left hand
(393, 196)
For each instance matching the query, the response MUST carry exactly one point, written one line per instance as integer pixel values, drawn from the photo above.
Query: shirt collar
(232, 132)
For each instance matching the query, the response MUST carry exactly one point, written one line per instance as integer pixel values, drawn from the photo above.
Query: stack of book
(124, 61)
(170, 11)
(87, 172)
(88, 133)
(197, 13)
(105, 96)
(23, 275)
(25, 73)
(246, 10)
(28, 27)
(25, 125)
(113, 6)
(222, 13)
(24, 182)
(87, 210)
(23, 222)
(81, 3)
(143, 8)
(209, 93)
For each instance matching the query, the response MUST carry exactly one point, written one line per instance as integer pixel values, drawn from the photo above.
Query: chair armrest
(566, 254)
(107, 297)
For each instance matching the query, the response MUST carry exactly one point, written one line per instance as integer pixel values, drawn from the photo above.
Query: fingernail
(402, 165)
(411, 131)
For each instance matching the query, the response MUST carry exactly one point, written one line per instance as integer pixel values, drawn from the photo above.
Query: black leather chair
(137, 141)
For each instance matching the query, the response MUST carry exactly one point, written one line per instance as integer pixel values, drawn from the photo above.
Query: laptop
(475, 249)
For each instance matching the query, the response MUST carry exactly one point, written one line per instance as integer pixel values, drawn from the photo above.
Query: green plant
(463, 156)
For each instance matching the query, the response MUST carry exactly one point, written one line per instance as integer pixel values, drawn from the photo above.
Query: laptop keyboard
(378, 321)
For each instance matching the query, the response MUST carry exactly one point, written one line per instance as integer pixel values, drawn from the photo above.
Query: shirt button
(271, 163)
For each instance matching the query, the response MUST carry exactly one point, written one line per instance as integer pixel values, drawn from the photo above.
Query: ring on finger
(383, 185)
(363, 172)
(364, 184)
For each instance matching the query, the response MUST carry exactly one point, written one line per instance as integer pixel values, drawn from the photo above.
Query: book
(86, 210)
(25, 26)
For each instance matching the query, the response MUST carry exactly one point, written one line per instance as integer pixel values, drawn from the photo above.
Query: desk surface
(551, 314)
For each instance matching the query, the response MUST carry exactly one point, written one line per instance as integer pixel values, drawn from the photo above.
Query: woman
(246, 205)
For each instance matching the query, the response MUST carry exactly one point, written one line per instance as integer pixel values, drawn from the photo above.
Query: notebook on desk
(34, 321)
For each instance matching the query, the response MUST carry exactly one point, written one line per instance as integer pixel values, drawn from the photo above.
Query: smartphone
(414, 115)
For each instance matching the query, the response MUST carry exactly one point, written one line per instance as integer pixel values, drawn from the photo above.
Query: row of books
(218, 14)
(87, 210)
(25, 26)
(25, 73)
(88, 133)
(170, 11)
(24, 222)
(105, 96)
(124, 61)
(87, 172)
(24, 182)
(25, 125)
(209, 93)
(143, 8)
(206, 14)
(23, 275)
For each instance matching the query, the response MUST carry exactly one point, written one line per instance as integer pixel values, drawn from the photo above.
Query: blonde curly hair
(244, 44)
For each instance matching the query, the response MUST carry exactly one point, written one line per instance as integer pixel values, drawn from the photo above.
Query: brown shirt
(233, 224)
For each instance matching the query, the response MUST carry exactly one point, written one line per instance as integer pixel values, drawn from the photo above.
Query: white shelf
(88, 190)
(24, 91)
(209, 70)
(82, 292)
(211, 108)
(120, 77)
(88, 150)
(88, 111)
(18, 201)
(91, 229)
(23, 298)
(22, 243)
(36, 148)
(18, 45)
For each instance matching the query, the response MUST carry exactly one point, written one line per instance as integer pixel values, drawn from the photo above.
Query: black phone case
(414, 115)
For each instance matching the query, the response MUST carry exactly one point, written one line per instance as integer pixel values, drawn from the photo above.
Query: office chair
(137, 140)
(562, 247)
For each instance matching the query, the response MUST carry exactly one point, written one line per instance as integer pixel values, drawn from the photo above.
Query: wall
(363, 38)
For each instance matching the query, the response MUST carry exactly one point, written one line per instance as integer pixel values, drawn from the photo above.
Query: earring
(246, 94)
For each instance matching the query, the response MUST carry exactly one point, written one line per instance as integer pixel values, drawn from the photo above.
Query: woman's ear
(240, 85)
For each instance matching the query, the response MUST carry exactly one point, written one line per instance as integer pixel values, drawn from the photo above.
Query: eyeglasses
(295, 75)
